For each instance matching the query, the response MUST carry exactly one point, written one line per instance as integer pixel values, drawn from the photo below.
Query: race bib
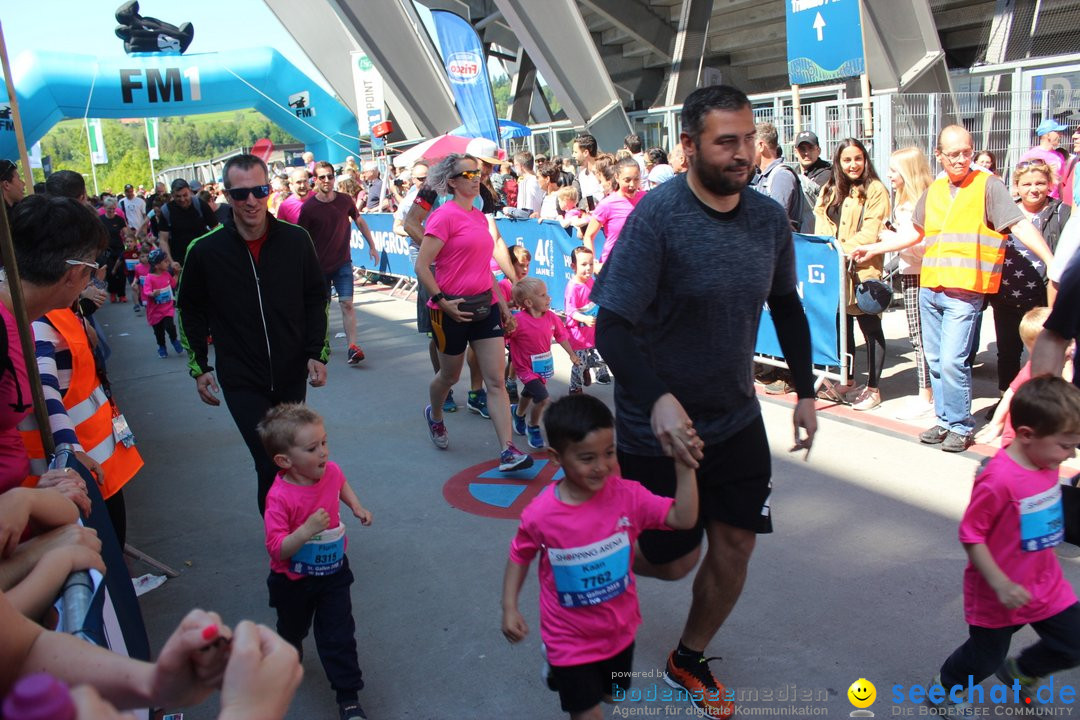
(591, 309)
(592, 574)
(543, 364)
(321, 555)
(1042, 524)
(131, 264)
(164, 296)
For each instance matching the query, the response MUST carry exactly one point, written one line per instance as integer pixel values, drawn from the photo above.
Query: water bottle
(39, 697)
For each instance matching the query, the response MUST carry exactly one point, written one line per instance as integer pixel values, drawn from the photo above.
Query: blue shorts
(342, 281)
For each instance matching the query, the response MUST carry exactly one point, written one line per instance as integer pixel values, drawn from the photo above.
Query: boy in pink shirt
(584, 528)
(1009, 531)
(530, 353)
(159, 294)
(309, 570)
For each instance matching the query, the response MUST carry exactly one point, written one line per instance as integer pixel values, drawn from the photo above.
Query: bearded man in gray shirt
(680, 300)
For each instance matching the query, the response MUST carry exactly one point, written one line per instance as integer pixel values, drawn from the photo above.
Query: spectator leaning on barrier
(964, 217)
(255, 284)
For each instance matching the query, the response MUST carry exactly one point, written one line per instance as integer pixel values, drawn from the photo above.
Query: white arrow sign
(819, 25)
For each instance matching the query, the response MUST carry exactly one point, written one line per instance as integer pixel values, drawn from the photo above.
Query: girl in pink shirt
(530, 352)
(611, 212)
(159, 294)
(1009, 531)
(581, 322)
(583, 528)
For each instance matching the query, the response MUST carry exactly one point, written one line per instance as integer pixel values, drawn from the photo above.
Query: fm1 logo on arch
(169, 88)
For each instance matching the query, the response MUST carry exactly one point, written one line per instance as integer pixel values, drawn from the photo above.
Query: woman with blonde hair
(909, 174)
(853, 207)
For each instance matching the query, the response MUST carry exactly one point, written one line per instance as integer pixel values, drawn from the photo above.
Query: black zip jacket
(267, 318)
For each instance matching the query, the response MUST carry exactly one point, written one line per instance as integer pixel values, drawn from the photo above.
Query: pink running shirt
(530, 344)
(462, 267)
(289, 506)
(611, 213)
(1016, 513)
(582, 337)
(588, 595)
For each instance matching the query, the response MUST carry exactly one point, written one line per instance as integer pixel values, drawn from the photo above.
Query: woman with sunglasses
(1023, 284)
(853, 207)
(465, 305)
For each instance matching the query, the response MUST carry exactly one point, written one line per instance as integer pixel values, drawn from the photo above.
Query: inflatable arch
(54, 86)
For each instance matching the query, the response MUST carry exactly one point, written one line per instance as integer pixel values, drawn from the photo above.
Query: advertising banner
(466, 68)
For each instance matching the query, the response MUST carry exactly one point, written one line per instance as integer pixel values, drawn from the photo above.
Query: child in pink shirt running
(581, 322)
(310, 577)
(1009, 530)
(611, 212)
(584, 528)
(530, 353)
(159, 294)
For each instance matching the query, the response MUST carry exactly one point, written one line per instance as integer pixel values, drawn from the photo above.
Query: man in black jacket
(254, 284)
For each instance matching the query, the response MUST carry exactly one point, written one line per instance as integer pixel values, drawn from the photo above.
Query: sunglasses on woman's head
(240, 194)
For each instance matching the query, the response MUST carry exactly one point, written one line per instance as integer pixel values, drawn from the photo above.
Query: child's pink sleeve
(277, 527)
(558, 328)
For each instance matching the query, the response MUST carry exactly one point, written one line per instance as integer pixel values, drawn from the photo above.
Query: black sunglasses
(324, 177)
(241, 194)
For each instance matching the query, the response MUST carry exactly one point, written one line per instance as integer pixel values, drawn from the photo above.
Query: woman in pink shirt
(465, 304)
(612, 211)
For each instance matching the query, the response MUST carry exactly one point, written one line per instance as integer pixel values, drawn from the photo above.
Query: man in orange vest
(965, 218)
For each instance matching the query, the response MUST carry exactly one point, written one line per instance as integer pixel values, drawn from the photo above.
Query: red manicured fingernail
(209, 632)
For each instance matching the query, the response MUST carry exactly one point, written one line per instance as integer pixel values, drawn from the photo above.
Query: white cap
(486, 150)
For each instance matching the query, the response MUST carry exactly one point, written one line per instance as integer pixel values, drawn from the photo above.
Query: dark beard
(715, 181)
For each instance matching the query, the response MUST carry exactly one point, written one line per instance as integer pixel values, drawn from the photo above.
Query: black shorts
(734, 482)
(451, 337)
(582, 687)
(536, 389)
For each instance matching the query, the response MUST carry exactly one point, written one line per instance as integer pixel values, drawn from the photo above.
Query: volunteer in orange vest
(82, 412)
(55, 240)
(965, 217)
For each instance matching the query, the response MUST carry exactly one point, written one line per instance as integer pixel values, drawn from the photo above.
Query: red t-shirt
(330, 227)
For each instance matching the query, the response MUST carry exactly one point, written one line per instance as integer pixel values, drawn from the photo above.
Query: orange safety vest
(962, 251)
(90, 411)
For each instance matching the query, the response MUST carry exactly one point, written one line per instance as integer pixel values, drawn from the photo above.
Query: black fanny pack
(478, 305)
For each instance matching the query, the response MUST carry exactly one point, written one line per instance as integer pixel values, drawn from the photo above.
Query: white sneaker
(915, 409)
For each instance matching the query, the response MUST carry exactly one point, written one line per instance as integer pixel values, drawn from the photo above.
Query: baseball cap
(156, 256)
(129, 186)
(1049, 126)
(485, 150)
(806, 137)
(179, 184)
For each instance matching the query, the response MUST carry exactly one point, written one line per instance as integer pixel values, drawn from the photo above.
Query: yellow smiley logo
(862, 693)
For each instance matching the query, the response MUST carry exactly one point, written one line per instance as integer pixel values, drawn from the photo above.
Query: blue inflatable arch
(54, 86)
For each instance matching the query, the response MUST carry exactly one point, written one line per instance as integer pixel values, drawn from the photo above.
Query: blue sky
(86, 26)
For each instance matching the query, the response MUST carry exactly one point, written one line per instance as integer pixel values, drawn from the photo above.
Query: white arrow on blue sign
(825, 40)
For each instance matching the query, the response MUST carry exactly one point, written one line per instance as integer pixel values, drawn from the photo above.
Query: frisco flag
(466, 69)
(97, 142)
(369, 90)
(152, 137)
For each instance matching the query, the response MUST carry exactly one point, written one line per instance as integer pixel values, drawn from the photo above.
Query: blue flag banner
(466, 69)
(547, 241)
(820, 277)
(818, 265)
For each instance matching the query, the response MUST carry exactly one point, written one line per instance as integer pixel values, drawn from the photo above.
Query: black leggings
(1009, 345)
(162, 326)
(247, 408)
(870, 326)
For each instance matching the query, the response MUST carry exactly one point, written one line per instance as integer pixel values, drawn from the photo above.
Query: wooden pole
(868, 112)
(28, 174)
(11, 271)
(796, 109)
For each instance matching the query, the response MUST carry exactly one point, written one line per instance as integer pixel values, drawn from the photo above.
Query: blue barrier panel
(547, 241)
(821, 281)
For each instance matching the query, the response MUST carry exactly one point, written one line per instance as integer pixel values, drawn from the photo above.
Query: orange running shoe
(708, 695)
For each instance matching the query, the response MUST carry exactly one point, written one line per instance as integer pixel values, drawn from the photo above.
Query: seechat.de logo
(463, 68)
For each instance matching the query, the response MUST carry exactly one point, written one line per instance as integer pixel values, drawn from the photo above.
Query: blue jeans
(949, 318)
